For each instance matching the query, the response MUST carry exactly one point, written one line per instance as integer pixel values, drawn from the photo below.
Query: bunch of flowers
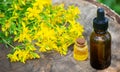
(28, 26)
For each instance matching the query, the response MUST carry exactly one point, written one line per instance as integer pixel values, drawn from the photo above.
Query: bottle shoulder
(81, 48)
(102, 37)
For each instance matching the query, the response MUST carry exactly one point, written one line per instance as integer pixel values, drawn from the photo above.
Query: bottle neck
(100, 31)
(81, 46)
(80, 42)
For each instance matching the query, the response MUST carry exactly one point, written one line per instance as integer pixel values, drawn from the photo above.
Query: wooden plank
(53, 62)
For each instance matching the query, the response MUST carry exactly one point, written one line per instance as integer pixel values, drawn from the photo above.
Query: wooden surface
(53, 62)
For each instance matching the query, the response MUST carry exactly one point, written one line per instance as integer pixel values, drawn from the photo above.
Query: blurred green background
(113, 4)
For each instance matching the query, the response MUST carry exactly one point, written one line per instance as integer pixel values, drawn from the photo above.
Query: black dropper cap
(100, 22)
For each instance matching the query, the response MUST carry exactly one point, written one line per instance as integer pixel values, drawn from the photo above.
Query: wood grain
(53, 62)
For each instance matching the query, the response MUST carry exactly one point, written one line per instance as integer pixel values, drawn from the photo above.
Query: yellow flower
(76, 11)
(7, 25)
(42, 49)
(16, 6)
(30, 47)
(23, 2)
(33, 55)
(49, 27)
(2, 15)
(14, 57)
(41, 2)
(33, 13)
(22, 55)
(24, 35)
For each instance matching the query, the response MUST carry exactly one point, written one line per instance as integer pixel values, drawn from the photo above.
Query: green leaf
(35, 55)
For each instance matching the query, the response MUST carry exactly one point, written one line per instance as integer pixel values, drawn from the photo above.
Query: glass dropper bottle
(100, 42)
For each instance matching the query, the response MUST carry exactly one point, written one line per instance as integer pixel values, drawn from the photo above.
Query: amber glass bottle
(80, 52)
(100, 42)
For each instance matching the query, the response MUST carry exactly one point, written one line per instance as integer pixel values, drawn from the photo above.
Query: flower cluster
(40, 26)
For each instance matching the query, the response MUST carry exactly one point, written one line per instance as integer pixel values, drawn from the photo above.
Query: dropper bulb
(100, 22)
(100, 14)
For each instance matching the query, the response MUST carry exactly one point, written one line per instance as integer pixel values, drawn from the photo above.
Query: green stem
(8, 43)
